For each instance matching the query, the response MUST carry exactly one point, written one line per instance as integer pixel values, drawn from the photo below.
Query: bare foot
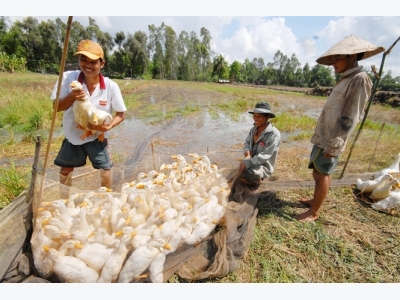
(307, 202)
(307, 216)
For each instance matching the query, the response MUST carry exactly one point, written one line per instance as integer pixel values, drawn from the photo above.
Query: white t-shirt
(108, 99)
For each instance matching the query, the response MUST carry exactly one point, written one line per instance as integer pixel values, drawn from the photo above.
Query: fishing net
(210, 255)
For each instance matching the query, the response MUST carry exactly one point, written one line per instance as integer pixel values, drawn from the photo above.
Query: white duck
(137, 238)
(43, 264)
(141, 204)
(71, 269)
(114, 263)
(390, 202)
(67, 215)
(175, 184)
(116, 218)
(201, 229)
(83, 111)
(180, 158)
(84, 226)
(140, 259)
(100, 117)
(100, 235)
(367, 186)
(156, 268)
(135, 219)
(58, 223)
(95, 255)
(166, 230)
(394, 167)
(207, 163)
(383, 191)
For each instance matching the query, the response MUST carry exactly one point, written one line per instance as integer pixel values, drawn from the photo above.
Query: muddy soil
(140, 144)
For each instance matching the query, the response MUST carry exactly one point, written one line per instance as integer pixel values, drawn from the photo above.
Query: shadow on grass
(268, 203)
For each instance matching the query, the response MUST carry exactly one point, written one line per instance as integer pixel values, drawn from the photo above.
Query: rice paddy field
(349, 243)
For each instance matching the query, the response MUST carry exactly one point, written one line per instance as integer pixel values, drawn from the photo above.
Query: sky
(245, 29)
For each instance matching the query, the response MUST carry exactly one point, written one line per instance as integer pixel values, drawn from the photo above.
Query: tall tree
(3, 31)
(289, 71)
(280, 61)
(234, 73)
(156, 42)
(170, 58)
(206, 52)
(135, 47)
(270, 74)
(77, 33)
(321, 76)
(220, 67)
(307, 74)
(104, 39)
(49, 48)
(119, 38)
(182, 48)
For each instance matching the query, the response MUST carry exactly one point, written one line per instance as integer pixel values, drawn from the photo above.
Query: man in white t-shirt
(104, 94)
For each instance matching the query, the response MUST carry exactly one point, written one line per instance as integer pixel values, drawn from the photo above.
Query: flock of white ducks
(384, 187)
(103, 236)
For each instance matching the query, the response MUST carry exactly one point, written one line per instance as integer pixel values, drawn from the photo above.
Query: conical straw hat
(350, 45)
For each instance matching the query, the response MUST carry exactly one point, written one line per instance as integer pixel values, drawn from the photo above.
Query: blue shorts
(73, 156)
(324, 165)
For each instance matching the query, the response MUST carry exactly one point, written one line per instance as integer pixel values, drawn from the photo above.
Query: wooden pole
(371, 98)
(35, 169)
(62, 66)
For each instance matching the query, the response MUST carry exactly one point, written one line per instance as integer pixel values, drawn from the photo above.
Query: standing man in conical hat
(340, 115)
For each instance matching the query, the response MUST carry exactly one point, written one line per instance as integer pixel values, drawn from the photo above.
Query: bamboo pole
(371, 98)
(62, 66)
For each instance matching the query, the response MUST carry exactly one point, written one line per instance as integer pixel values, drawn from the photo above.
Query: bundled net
(169, 214)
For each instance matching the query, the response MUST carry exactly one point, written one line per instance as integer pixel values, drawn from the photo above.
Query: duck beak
(78, 246)
(118, 233)
(90, 235)
(167, 246)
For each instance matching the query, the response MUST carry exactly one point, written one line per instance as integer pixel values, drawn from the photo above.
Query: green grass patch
(289, 122)
(13, 182)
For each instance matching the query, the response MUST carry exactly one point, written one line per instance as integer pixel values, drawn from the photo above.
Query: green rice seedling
(289, 122)
(300, 136)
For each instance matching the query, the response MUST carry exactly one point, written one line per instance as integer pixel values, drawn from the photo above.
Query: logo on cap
(86, 45)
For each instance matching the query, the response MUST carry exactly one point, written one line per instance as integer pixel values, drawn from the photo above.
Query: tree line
(163, 54)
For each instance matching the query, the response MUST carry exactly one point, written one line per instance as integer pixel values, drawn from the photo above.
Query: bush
(12, 63)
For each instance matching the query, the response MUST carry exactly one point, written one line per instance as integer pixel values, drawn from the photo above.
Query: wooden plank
(15, 225)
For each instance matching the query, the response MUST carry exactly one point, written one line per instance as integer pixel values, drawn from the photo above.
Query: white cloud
(381, 31)
(260, 37)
